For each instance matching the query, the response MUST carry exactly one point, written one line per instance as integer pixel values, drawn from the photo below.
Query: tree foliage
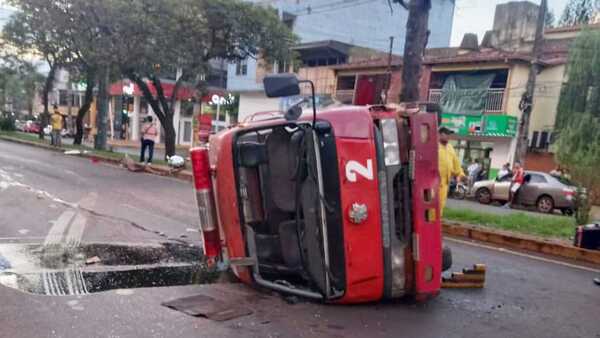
(148, 41)
(578, 150)
(579, 12)
(581, 92)
(152, 41)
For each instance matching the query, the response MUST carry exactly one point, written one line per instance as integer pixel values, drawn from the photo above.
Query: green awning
(483, 125)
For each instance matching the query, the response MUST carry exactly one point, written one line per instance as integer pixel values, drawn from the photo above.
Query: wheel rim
(545, 204)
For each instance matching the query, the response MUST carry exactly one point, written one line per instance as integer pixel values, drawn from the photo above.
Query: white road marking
(24, 231)
(55, 235)
(75, 232)
(516, 253)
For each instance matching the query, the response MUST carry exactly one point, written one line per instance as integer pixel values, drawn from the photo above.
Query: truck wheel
(446, 258)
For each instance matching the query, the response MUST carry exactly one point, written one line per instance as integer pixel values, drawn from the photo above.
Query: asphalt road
(525, 296)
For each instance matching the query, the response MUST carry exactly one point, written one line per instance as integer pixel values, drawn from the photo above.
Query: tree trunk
(102, 116)
(414, 48)
(169, 136)
(85, 107)
(44, 119)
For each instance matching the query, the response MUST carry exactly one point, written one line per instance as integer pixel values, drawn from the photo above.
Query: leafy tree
(174, 39)
(578, 151)
(19, 84)
(581, 92)
(579, 12)
(31, 33)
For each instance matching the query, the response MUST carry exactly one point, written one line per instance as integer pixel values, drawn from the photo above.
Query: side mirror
(280, 85)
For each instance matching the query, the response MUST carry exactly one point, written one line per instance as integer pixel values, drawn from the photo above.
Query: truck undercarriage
(289, 218)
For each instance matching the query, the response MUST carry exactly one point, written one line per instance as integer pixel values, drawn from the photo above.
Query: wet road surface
(51, 202)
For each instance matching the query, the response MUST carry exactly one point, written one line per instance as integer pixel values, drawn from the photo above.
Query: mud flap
(427, 233)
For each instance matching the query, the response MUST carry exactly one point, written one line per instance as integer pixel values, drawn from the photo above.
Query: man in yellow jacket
(448, 165)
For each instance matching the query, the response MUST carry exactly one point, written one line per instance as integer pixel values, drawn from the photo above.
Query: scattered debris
(92, 260)
(468, 279)
(192, 230)
(183, 236)
(24, 231)
(176, 161)
(75, 152)
(208, 307)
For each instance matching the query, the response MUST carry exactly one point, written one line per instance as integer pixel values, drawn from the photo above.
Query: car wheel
(568, 211)
(484, 196)
(545, 204)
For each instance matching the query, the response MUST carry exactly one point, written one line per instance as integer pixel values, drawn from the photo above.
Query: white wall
(501, 153)
(253, 102)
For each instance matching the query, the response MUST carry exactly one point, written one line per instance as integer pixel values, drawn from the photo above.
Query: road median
(553, 247)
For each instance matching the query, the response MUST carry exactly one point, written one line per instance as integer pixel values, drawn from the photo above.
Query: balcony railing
(493, 104)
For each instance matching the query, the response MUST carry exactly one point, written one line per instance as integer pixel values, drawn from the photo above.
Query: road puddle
(62, 271)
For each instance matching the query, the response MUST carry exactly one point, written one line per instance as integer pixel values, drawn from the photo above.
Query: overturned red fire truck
(340, 206)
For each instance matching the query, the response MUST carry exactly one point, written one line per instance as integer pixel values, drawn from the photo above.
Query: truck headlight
(391, 148)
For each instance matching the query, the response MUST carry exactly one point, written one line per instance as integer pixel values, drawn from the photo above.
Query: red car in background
(32, 127)
(340, 206)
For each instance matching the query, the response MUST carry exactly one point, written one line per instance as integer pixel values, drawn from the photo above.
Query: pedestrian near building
(474, 169)
(149, 133)
(57, 123)
(449, 165)
(518, 178)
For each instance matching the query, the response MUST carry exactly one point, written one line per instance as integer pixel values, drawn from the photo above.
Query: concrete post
(176, 121)
(135, 119)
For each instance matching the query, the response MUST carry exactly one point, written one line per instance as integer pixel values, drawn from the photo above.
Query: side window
(535, 178)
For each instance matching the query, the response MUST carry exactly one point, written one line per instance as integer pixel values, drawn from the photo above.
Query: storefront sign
(485, 125)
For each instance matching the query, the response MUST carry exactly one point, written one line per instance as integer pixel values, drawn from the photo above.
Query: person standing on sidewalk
(56, 121)
(518, 178)
(149, 133)
(449, 165)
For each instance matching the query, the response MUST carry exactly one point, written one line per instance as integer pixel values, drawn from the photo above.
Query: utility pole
(526, 104)
(417, 35)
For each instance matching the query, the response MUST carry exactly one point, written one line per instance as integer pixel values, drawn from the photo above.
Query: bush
(578, 150)
(7, 123)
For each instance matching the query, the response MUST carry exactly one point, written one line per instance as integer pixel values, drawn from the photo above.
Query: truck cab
(340, 206)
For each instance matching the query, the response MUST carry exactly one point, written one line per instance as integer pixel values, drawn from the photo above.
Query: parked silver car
(542, 190)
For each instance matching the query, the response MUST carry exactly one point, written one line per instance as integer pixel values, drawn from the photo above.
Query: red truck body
(360, 220)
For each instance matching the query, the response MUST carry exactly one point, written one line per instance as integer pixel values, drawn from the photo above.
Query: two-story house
(355, 22)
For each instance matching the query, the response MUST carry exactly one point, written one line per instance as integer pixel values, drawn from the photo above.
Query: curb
(159, 171)
(523, 242)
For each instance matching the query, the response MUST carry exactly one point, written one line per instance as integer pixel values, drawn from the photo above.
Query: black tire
(446, 258)
(459, 193)
(545, 204)
(483, 196)
(568, 211)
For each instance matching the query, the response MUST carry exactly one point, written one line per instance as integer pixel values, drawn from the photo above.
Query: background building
(365, 23)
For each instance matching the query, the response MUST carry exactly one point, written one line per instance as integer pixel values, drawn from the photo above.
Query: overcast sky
(477, 16)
